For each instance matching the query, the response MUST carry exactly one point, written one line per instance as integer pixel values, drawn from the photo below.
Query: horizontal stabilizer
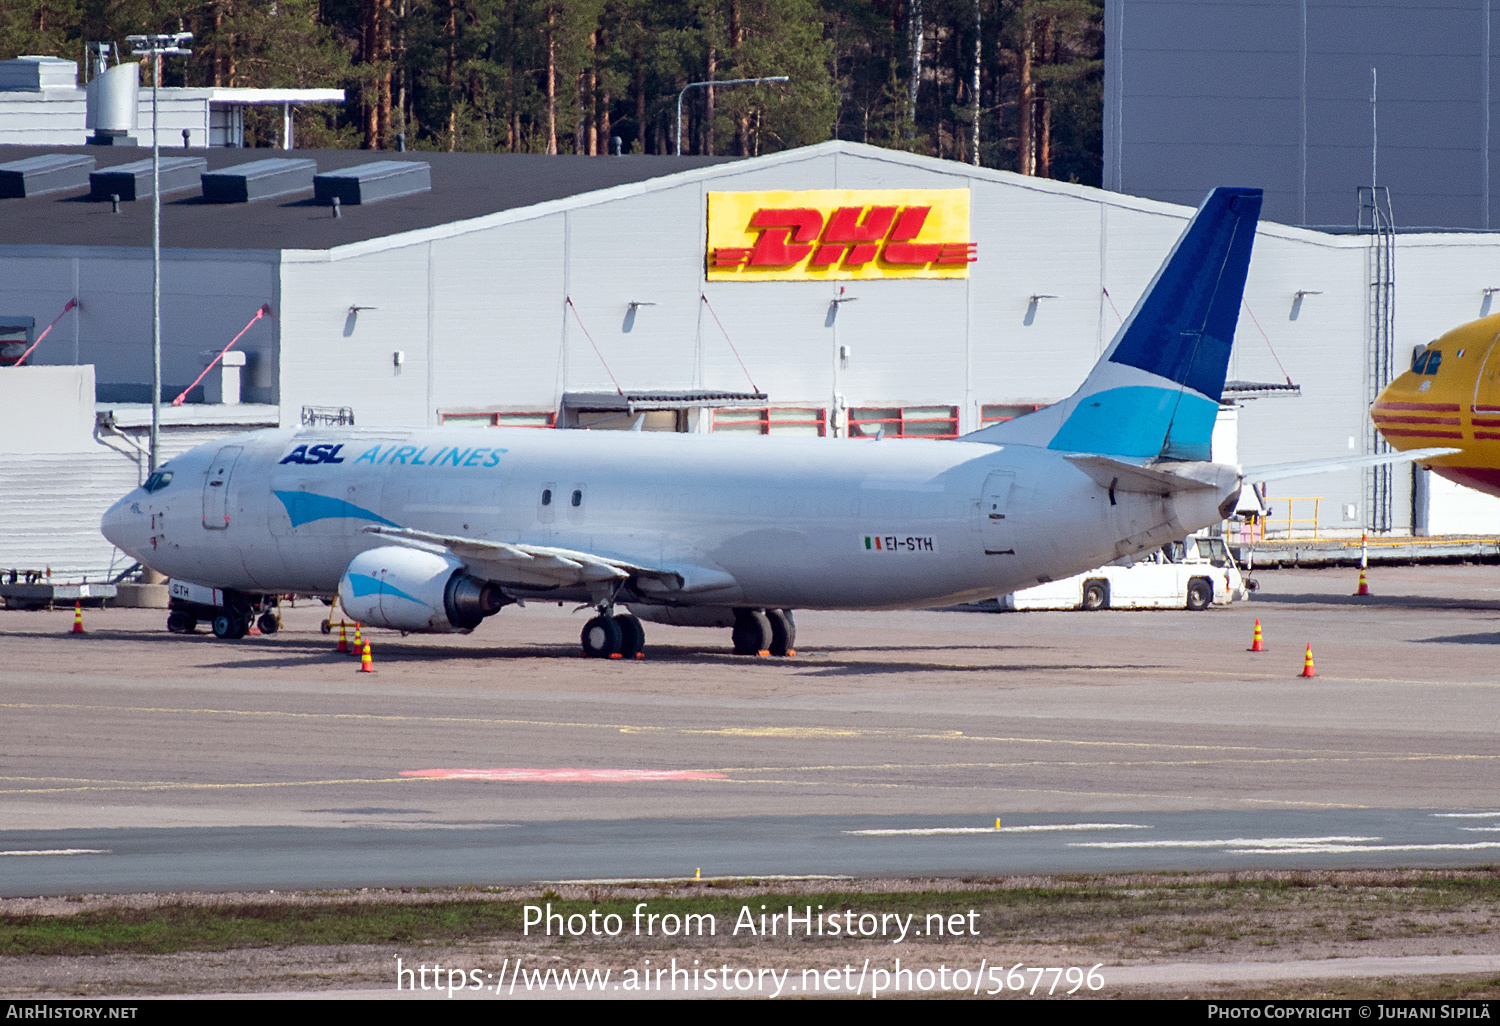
(1147, 479)
(1281, 471)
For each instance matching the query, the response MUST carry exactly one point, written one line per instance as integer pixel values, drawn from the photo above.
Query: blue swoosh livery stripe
(364, 584)
(305, 507)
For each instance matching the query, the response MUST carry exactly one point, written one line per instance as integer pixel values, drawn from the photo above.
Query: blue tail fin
(1156, 389)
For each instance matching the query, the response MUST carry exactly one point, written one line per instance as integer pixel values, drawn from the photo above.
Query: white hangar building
(610, 292)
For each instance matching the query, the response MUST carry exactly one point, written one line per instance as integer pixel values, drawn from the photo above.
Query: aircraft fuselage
(795, 522)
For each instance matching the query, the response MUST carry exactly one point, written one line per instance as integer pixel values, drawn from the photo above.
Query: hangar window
(480, 420)
(774, 420)
(999, 413)
(904, 422)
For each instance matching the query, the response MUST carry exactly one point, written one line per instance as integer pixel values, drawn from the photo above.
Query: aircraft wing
(1280, 471)
(548, 566)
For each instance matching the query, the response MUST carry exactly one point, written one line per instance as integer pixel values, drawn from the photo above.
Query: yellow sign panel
(839, 234)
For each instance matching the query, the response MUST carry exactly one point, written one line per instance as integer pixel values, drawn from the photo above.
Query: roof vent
(34, 73)
(367, 183)
(133, 181)
(51, 172)
(259, 179)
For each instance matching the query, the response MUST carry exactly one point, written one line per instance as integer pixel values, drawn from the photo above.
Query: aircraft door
(995, 508)
(216, 488)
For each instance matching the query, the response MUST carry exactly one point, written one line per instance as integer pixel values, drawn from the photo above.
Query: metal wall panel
(333, 355)
(498, 316)
(1217, 92)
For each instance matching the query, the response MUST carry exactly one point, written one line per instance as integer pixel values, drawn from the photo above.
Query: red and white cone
(365, 664)
(1307, 664)
(1256, 645)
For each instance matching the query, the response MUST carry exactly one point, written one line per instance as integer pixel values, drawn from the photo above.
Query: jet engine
(411, 590)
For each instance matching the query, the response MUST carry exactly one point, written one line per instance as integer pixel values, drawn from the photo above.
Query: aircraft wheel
(268, 623)
(181, 623)
(752, 632)
(601, 637)
(1095, 595)
(632, 635)
(230, 626)
(783, 632)
(326, 627)
(1200, 594)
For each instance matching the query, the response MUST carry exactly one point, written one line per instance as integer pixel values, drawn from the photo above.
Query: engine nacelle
(411, 590)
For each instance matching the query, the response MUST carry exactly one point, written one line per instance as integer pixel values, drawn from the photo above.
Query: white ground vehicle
(1193, 573)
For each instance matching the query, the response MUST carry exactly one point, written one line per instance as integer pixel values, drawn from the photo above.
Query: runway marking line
(1034, 829)
(1234, 842)
(565, 775)
(59, 851)
(1466, 815)
(907, 733)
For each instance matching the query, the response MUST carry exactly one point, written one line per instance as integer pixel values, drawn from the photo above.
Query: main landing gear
(609, 636)
(756, 632)
(765, 632)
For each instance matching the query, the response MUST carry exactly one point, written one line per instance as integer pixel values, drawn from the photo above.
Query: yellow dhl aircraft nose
(1451, 397)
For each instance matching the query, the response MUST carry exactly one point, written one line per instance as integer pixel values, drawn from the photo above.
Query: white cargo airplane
(435, 529)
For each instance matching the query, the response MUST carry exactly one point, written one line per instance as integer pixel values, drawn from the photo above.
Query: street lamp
(157, 46)
(725, 82)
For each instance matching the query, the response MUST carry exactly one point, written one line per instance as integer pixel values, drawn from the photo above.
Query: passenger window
(577, 497)
(546, 496)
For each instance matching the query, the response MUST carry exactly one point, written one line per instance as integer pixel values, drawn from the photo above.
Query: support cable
(71, 304)
(586, 335)
(264, 311)
(753, 386)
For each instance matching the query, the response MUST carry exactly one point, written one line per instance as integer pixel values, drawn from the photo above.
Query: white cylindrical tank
(112, 99)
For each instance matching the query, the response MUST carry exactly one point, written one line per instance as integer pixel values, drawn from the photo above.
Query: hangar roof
(464, 185)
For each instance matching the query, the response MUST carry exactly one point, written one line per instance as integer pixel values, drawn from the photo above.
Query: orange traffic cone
(77, 617)
(343, 638)
(357, 640)
(1307, 664)
(1256, 645)
(365, 665)
(1364, 585)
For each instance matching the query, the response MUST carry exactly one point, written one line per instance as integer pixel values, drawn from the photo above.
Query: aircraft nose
(116, 526)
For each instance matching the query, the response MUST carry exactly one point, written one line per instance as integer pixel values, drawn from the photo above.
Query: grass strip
(1075, 907)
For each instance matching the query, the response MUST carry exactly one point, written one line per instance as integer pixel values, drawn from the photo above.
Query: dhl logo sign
(829, 234)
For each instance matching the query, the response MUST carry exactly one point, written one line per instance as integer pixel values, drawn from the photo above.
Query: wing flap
(550, 566)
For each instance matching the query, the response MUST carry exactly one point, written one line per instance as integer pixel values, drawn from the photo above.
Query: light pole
(725, 82)
(166, 44)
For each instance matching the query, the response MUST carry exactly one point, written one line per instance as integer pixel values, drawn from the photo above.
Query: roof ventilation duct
(133, 181)
(259, 179)
(51, 172)
(113, 100)
(367, 183)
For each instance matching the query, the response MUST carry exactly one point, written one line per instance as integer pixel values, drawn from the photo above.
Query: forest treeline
(1014, 84)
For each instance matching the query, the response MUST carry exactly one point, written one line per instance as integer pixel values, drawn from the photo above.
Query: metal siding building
(1276, 94)
(471, 285)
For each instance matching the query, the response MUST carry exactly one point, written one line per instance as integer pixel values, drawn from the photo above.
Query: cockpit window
(157, 481)
(1428, 362)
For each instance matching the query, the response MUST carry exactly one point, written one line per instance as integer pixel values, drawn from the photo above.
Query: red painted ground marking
(565, 775)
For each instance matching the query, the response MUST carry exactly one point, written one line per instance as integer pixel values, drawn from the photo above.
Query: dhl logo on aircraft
(824, 234)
